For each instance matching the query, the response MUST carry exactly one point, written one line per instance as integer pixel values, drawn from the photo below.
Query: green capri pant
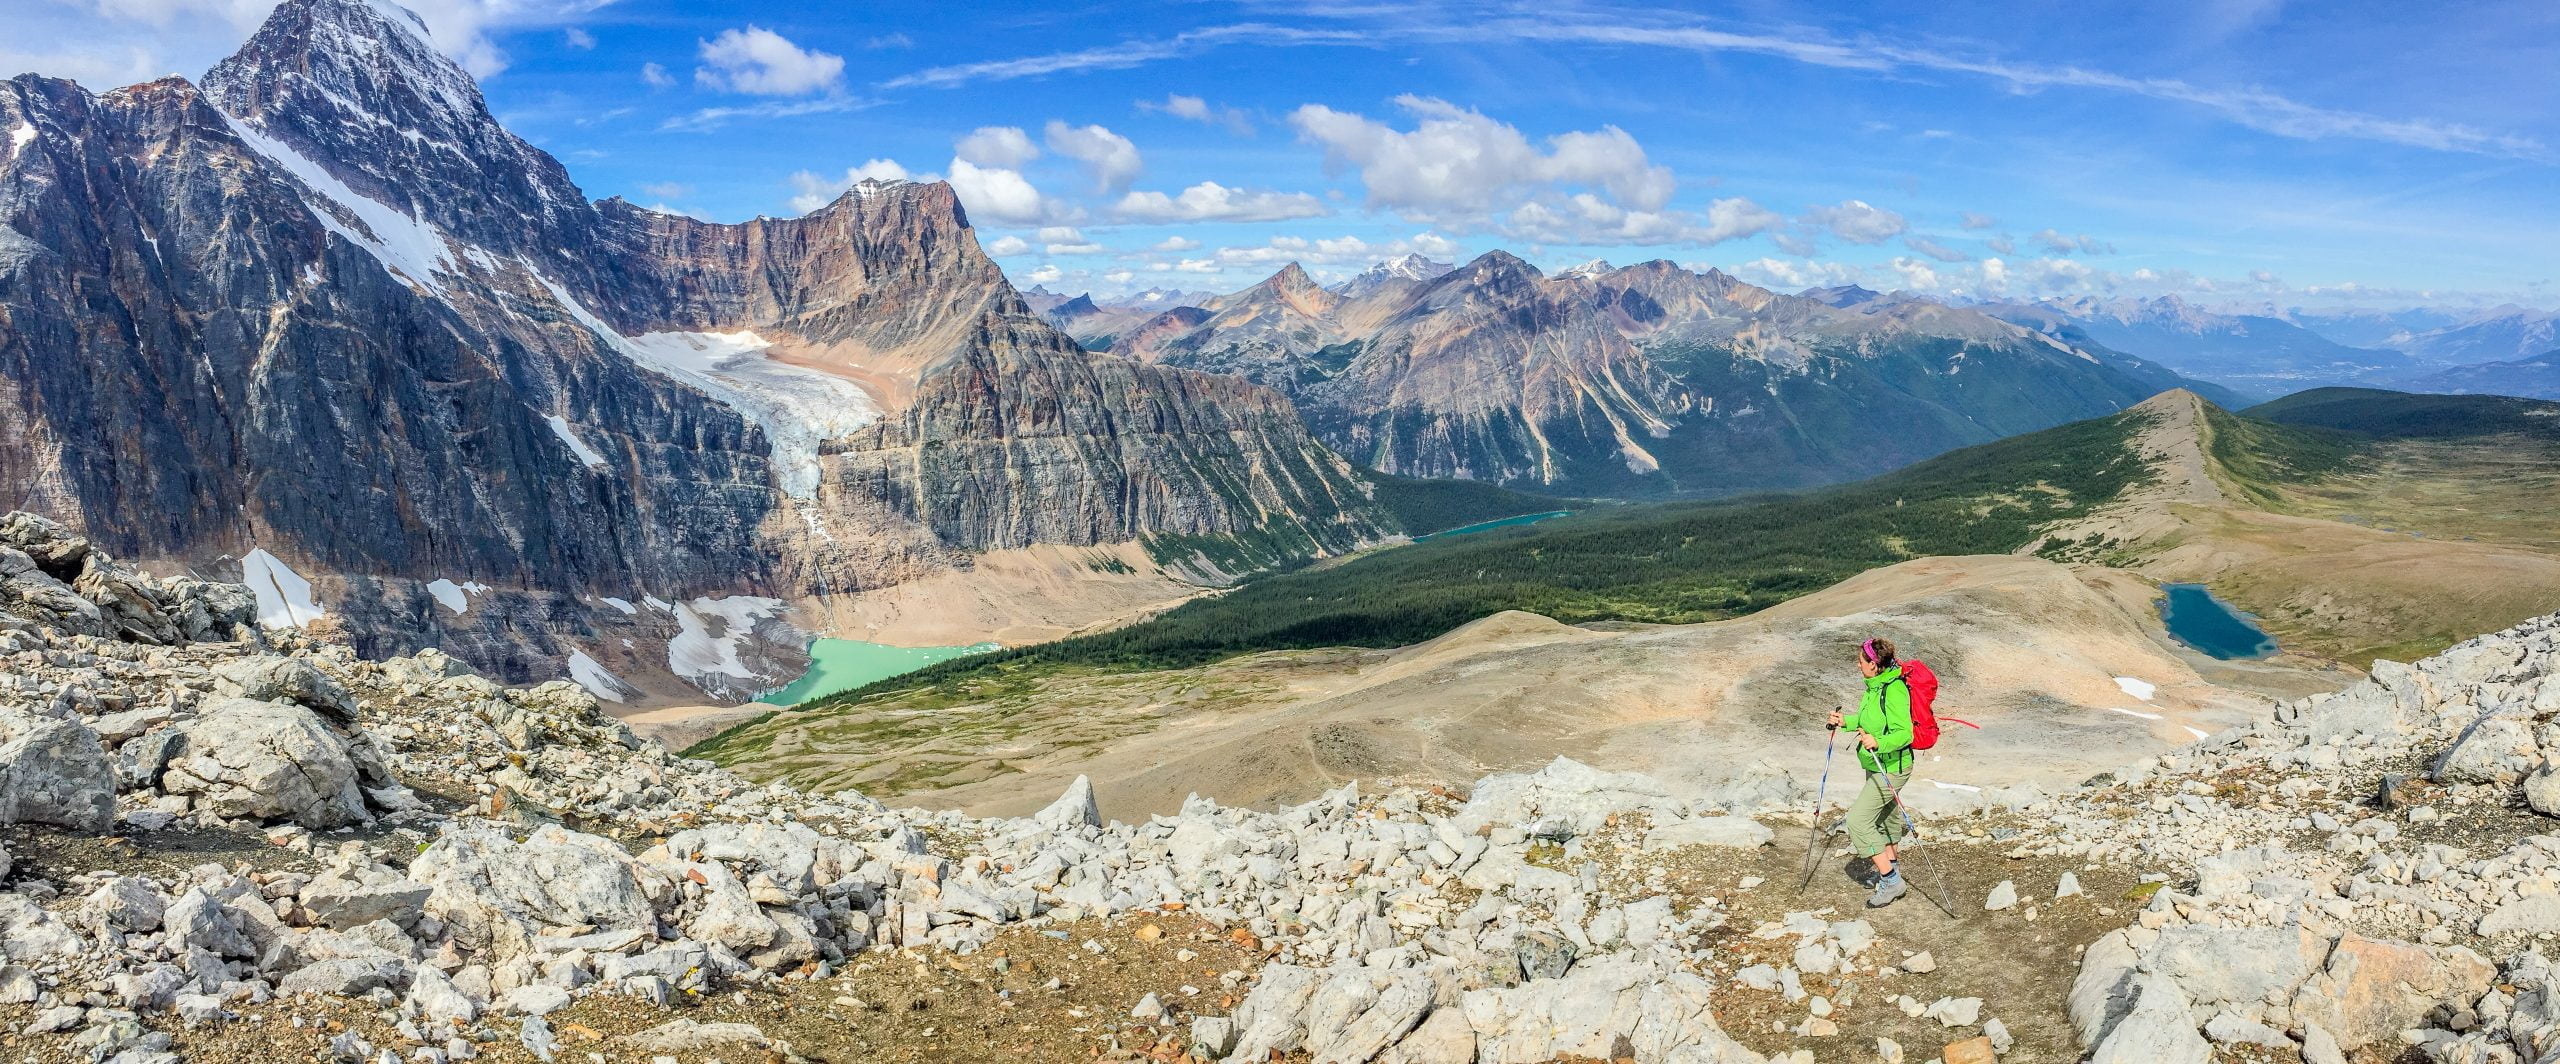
(1873, 821)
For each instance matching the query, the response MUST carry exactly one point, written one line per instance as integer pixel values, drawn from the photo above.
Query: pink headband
(1867, 650)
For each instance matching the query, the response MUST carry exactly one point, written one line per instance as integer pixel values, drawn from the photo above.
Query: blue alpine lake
(2210, 625)
(1486, 526)
(844, 664)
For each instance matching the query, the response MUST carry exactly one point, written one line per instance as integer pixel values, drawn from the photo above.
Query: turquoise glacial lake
(2212, 626)
(1487, 526)
(838, 665)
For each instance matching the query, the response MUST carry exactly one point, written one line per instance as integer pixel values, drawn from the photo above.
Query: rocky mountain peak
(358, 89)
(1593, 268)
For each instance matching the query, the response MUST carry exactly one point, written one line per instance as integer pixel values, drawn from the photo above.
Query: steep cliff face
(1647, 380)
(325, 320)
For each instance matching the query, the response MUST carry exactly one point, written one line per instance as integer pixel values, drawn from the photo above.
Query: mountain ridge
(564, 402)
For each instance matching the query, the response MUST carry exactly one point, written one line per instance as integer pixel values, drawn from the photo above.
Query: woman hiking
(1882, 723)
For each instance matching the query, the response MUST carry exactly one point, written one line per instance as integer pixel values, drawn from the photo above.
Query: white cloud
(1916, 276)
(1173, 244)
(2060, 243)
(1008, 245)
(656, 76)
(761, 62)
(1007, 147)
(579, 39)
(666, 190)
(812, 191)
(2253, 108)
(1933, 249)
(1067, 240)
(888, 41)
(1210, 201)
(710, 118)
(1978, 220)
(1044, 274)
(2004, 244)
(1459, 163)
(1195, 109)
(1995, 276)
(1794, 244)
(997, 195)
(1735, 218)
(1111, 158)
(1857, 222)
(1787, 276)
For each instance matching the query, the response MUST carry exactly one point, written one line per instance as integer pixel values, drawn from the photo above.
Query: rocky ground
(228, 845)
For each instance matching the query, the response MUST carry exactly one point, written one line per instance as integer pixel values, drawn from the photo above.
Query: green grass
(1666, 563)
(2260, 457)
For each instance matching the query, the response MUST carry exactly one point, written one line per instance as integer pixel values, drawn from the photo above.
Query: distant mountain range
(2531, 378)
(2256, 354)
(1648, 380)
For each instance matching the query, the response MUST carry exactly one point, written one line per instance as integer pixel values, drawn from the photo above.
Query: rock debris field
(227, 844)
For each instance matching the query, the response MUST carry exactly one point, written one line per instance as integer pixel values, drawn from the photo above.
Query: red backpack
(1924, 705)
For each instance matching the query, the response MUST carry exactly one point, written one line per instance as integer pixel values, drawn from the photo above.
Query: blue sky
(2380, 154)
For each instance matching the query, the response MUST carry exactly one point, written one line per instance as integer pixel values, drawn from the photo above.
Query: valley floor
(2032, 651)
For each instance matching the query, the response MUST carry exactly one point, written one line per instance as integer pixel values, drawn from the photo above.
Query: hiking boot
(1887, 889)
(1861, 872)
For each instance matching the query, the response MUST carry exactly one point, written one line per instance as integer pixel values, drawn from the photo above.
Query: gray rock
(2004, 896)
(2216, 966)
(18, 985)
(127, 903)
(268, 761)
(494, 893)
(434, 997)
(54, 772)
(1442, 1038)
(534, 999)
(281, 679)
(2156, 1030)
(343, 897)
(1073, 809)
(2542, 788)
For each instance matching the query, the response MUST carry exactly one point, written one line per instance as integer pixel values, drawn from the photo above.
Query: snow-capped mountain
(324, 318)
(2500, 334)
(1399, 272)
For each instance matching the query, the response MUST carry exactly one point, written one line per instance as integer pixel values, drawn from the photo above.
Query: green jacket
(1884, 711)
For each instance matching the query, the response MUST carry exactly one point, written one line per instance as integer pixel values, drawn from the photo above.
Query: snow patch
(405, 245)
(1957, 786)
(2133, 713)
(20, 137)
(695, 652)
(560, 427)
(2196, 731)
(621, 604)
(2141, 689)
(798, 408)
(450, 593)
(594, 678)
(658, 604)
(284, 597)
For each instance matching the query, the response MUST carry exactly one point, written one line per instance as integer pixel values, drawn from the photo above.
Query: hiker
(1882, 724)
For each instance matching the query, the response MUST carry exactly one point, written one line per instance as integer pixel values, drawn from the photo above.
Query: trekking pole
(1911, 833)
(1813, 847)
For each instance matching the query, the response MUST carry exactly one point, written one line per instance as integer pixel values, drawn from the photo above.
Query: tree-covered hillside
(1668, 563)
